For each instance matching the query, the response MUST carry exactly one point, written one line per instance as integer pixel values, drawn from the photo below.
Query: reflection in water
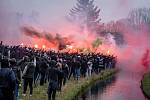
(98, 88)
(124, 86)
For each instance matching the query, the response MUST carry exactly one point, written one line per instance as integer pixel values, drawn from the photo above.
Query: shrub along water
(146, 85)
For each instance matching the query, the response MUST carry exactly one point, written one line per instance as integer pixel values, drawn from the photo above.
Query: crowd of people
(30, 66)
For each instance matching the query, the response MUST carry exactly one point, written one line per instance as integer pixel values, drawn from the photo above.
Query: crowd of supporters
(29, 66)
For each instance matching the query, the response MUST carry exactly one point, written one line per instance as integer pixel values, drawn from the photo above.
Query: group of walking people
(31, 67)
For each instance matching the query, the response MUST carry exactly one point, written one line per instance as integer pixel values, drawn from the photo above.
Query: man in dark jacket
(28, 75)
(23, 62)
(43, 70)
(60, 74)
(77, 67)
(53, 81)
(37, 71)
(72, 69)
(7, 81)
(17, 72)
(65, 71)
(83, 67)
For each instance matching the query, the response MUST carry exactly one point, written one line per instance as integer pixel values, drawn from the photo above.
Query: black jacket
(30, 71)
(7, 79)
(53, 74)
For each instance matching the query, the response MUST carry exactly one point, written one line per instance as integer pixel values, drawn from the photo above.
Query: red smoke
(145, 61)
(47, 39)
(135, 55)
(78, 40)
(68, 34)
(130, 55)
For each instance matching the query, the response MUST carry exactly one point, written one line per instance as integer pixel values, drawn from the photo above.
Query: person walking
(89, 69)
(28, 75)
(7, 81)
(17, 71)
(53, 81)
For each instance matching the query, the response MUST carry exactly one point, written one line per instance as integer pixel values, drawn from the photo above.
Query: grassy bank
(146, 84)
(71, 89)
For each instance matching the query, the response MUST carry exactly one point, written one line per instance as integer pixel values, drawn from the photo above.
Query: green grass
(72, 88)
(146, 84)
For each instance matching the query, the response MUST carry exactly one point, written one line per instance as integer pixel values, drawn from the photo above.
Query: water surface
(123, 86)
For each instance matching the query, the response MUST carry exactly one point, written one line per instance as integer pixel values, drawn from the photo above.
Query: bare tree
(114, 26)
(139, 17)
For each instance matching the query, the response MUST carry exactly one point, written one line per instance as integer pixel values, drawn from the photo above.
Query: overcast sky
(55, 9)
(47, 12)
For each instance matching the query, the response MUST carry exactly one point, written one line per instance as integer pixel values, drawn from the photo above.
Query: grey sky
(46, 13)
(51, 10)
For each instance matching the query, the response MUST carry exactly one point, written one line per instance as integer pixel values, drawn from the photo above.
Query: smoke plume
(146, 59)
(58, 40)
(134, 54)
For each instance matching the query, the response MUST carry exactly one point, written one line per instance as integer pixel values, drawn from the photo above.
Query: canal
(125, 85)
